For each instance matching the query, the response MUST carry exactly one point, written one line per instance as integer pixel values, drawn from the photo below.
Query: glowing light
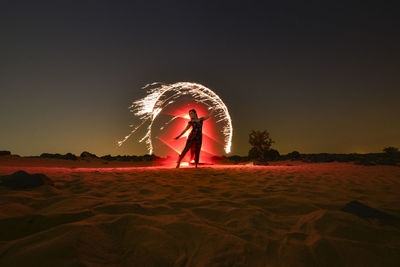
(166, 143)
(161, 95)
(186, 134)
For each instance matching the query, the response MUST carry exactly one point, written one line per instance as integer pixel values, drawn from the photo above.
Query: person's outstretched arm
(209, 115)
(187, 127)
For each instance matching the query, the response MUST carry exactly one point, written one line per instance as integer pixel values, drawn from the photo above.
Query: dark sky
(320, 77)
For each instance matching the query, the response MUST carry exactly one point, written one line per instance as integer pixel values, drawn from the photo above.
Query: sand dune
(212, 216)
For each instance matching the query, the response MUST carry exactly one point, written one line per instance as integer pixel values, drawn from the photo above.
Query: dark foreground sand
(220, 216)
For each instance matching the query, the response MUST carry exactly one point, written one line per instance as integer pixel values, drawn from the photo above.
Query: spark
(160, 95)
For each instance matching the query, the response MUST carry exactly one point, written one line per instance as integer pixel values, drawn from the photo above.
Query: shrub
(261, 143)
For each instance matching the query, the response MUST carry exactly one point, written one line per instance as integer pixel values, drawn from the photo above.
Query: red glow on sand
(5, 170)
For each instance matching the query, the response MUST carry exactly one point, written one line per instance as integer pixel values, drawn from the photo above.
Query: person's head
(193, 114)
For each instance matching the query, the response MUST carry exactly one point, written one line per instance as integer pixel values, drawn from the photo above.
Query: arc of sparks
(160, 95)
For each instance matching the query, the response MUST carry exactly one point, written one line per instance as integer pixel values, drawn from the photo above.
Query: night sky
(320, 77)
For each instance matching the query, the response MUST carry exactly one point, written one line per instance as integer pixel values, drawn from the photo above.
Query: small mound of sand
(23, 180)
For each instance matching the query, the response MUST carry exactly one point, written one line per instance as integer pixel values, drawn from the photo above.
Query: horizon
(139, 155)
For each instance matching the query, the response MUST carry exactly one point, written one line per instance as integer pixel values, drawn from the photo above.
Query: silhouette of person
(194, 140)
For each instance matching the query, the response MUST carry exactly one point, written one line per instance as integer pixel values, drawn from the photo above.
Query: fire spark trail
(160, 95)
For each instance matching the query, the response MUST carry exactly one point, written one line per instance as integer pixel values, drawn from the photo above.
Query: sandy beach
(117, 214)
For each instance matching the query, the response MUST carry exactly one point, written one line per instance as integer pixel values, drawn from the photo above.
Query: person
(194, 140)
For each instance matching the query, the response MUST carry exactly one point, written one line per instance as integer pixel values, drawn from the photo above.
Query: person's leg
(197, 153)
(192, 152)
(184, 151)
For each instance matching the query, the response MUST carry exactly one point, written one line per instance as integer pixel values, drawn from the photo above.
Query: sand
(102, 215)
